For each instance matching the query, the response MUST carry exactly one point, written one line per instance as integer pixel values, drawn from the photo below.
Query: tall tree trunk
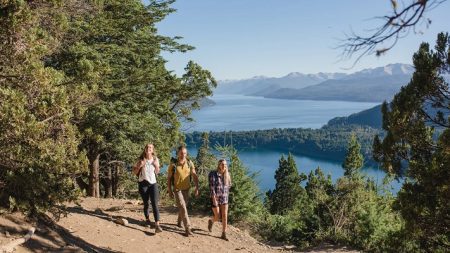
(82, 184)
(115, 180)
(108, 183)
(94, 186)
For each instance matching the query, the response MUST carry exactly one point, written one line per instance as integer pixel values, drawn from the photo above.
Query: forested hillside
(327, 142)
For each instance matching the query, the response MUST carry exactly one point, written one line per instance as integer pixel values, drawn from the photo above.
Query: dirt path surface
(91, 227)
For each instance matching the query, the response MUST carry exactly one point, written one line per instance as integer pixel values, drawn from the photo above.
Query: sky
(238, 39)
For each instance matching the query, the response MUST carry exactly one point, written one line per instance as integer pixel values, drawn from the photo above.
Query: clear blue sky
(237, 39)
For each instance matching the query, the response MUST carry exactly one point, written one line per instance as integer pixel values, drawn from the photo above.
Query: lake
(237, 112)
(265, 162)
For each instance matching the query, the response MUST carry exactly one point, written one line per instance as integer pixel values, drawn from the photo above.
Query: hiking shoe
(158, 229)
(189, 232)
(179, 224)
(224, 236)
(148, 223)
(210, 225)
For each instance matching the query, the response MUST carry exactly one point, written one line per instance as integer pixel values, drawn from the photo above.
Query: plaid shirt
(218, 188)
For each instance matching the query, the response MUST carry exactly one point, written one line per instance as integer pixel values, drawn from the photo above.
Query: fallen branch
(10, 247)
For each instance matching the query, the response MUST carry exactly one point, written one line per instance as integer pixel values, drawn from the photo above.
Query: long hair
(142, 157)
(226, 174)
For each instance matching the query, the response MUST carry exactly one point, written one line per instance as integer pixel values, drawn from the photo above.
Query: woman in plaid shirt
(219, 185)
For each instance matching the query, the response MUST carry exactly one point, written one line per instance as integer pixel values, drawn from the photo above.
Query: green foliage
(371, 117)
(280, 227)
(126, 187)
(376, 224)
(205, 162)
(137, 100)
(39, 156)
(350, 211)
(83, 83)
(329, 142)
(354, 160)
(412, 151)
(203, 201)
(287, 188)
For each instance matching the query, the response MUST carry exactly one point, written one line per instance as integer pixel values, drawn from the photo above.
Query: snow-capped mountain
(388, 70)
(376, 84)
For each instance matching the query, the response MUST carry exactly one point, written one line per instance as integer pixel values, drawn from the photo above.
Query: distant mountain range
(369, 85)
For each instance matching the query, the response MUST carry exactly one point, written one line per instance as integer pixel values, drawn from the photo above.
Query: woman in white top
(146, 168)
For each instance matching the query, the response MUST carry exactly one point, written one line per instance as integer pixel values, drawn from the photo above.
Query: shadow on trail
(111, 218)
(51, 237)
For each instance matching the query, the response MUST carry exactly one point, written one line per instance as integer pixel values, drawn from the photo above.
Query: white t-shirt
(148, 172)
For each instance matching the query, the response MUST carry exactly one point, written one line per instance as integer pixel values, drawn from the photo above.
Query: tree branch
(52, 117)
(9, 76)
(392, 28)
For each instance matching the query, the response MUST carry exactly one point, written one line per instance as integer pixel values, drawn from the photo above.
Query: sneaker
(158, 229)
(210, 225)
(224, 236)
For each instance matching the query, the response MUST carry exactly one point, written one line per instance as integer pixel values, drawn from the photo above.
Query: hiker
(146, 169)
(219, 185)
(180, 172)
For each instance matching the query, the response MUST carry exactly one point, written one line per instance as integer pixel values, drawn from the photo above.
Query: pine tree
(287, 188)
(117, 55)
(39, 156)
(83, 86)
(354, 160)
(416, 147)
(205, 160)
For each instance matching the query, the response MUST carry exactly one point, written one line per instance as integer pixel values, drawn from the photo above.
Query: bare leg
(224, 212)
(215, 214)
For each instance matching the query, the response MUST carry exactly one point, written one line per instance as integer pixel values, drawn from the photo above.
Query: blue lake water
(236, 112)
(265, 162)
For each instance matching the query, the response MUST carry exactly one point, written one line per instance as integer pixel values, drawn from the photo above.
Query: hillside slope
(371, 117)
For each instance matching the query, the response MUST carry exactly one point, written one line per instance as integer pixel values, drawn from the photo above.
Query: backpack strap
(190, 165)
(138, 174)
(174, 163)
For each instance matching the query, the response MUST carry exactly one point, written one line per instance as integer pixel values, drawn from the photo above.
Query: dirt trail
(90, 227)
